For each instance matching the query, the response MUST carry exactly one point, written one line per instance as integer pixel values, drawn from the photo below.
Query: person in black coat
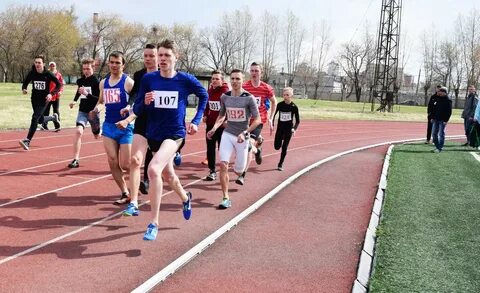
(432, 100)
(441, 112)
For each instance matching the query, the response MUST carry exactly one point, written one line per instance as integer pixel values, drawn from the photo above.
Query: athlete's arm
(100, 103)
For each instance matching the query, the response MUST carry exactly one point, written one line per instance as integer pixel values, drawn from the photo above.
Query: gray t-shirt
(238, 111)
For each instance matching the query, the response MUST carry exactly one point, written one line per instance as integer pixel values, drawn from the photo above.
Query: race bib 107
(166, 99)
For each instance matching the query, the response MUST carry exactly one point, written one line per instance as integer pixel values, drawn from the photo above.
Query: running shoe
(131, 210)
(151, 233)
(258, 156)
(212, 176)
(56, 118)
(74, 164)
(57, 129)
(25, 143)
(178, 159)
(43, 126)
(280, 167)
(124, 198)
(225, 204)
(144, 185)
(187, 206)
(240, 180)
(260, 140)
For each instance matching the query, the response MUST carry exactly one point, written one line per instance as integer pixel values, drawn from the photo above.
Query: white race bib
(89, 91)
(111, 96)
(236, 114)
(214, 105)
(39, 85)
(166, 99)
(285, 116)
(258, 101)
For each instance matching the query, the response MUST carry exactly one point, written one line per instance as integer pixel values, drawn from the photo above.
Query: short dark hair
(88, 61)
(256, 64)
(237, 71)
(168, 44)
(117, 54)
(150, 46)
(40, 57)
(217, 72)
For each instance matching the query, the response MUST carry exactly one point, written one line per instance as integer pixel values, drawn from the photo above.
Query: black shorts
(256, 132)
(154, 145)
(140, 126)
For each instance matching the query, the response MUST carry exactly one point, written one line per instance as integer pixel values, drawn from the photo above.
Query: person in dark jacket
(432, 100)
(41, 95)
(469, 111)
(441, 112)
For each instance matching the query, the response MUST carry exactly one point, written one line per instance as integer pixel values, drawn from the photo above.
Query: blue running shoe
(151, 234)
(178, 159)
(131, 210)
(187, 206)
(225, 204)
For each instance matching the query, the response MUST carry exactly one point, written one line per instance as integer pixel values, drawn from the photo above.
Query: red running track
(60, 231)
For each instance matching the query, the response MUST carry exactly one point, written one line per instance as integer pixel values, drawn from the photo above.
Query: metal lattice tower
(385, 85)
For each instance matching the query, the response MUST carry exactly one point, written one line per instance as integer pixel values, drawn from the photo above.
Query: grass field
(428, 238)
(16, 111)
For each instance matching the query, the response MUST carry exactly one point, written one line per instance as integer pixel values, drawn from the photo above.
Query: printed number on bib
(236, 114)
(39, 85)
(111, 96)
(89, 91)
(285, 116)
(166, 99)
(214, 105)
(258, 101)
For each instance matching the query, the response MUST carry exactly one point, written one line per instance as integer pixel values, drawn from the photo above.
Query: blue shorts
(124, 136)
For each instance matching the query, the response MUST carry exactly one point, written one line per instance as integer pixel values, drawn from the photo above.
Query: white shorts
(228, 145)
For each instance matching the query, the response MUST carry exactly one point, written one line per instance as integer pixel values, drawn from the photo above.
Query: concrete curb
(368, 251)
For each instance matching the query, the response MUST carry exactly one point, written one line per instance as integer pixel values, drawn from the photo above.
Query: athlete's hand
(293, 131)
(71, 105)
(24, 91)
(122, 124)
(82, 91)
(241, 138)
(125, 111)
(49, 98)
(210, 133)
(192, 129)
(149, 97)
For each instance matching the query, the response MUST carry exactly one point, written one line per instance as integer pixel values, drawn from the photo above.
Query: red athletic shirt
(213, 106)
(261, 93)
(59, 76)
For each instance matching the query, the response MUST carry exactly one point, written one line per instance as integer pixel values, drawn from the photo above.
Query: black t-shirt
(92, 85)
(41, 84)
(287, 112)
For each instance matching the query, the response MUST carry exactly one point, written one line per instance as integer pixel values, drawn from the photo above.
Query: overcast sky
(346, 17)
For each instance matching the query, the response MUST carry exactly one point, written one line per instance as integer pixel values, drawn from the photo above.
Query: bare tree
(269, 32)
(429, 48)
(188, 41)
(246, 33)
(293, 37)
(130, 40)
(322, 48)
(469, 29)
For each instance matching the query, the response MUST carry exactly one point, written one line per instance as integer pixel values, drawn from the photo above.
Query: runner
(140, 150)
(285, 128)
(114, 90)
(265, 98)
(88, 91)
(55, 102)
(41, 95)
(238, 106)
(165, 95)
(217, 87)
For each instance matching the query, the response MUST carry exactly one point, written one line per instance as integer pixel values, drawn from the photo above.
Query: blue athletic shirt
(115, 98)
(166, 115)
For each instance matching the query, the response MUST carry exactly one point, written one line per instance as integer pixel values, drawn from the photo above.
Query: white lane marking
(43, 244)
(209, 240)
(476, 156)
(54, 147)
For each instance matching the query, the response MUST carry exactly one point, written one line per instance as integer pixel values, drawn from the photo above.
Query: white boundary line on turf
(476, 156)
(209, 240)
